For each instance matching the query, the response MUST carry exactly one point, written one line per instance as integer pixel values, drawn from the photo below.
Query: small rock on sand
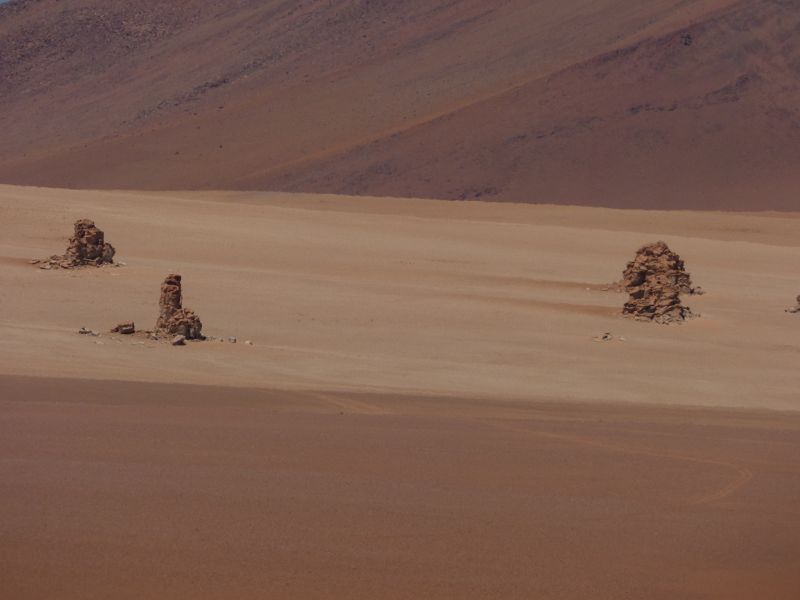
(125, 328)
(178, 340)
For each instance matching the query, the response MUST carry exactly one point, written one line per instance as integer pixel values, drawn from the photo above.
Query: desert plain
(424, 411)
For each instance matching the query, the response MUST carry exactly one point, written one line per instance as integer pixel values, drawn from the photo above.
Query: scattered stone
(606, 337)
(87, 247)
(232, 340)
(178, 340)
(35, 261)
(794, 309)
(654, 280)
(248, 343)
(84, 331)
(173, 319)
(126, 328)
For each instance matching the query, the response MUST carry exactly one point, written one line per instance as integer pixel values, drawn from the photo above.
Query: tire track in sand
(742, 477)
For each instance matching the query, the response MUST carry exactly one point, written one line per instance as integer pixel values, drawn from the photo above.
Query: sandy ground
(112, 490)
(463, 299)
(424, 412)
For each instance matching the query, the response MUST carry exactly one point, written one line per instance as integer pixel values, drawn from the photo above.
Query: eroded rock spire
(173, 319)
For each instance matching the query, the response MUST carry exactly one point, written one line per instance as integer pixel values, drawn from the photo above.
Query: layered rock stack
(87, 246)
(655, 280)
(173, 319)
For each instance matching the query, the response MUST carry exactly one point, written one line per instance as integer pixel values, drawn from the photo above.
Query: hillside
(664, 104)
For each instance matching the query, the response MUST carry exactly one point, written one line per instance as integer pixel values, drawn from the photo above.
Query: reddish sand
(658, 104)
(155, 491)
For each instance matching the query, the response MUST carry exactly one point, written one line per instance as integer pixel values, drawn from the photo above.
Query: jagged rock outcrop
(655, 280)
(173, 319)
(87, 246)
(657, 259)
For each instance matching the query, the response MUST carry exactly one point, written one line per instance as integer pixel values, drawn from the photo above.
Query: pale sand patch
(364, 294)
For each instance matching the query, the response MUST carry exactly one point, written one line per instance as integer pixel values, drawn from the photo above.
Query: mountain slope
(670, 104)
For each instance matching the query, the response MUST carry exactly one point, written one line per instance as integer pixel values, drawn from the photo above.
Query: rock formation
(657, 259)
(173, 319)
(87, 246)
(655, 280)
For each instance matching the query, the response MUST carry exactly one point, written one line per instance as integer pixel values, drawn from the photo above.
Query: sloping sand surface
(462, 299)
(126, 490)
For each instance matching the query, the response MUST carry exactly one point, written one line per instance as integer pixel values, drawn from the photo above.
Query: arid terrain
(424, 410)
(399, 299)
(622, 103)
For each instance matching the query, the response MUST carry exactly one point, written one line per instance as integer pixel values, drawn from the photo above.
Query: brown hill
(667, 103)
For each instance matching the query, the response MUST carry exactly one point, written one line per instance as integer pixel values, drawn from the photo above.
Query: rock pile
(87, 246)
(173, 319)
(657, 259)
(655, 280)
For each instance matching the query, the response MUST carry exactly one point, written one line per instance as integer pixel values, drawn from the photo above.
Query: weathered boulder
(173, 319)
(655, 280)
